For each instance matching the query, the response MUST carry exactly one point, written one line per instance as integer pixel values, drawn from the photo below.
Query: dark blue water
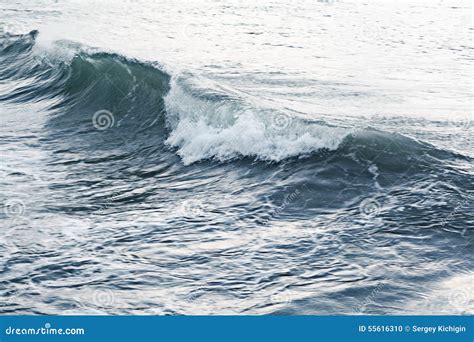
(127, 189)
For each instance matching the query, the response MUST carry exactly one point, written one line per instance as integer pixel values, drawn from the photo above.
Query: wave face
(204, 121)
(198, 118)
(151, 180)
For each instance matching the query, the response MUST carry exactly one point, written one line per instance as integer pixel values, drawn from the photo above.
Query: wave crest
(199, 118)
(203, 126)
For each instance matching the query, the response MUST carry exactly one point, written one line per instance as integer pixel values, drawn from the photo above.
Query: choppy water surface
(236, 157)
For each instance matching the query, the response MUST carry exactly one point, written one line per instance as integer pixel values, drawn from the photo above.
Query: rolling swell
(195, 117)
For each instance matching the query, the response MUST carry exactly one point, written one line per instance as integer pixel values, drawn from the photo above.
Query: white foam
(53, 50)
(205, 124)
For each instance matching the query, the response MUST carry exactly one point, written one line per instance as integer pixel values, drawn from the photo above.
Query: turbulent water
(236, 157)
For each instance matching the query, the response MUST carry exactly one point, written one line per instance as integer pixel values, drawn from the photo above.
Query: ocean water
(236, 157)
